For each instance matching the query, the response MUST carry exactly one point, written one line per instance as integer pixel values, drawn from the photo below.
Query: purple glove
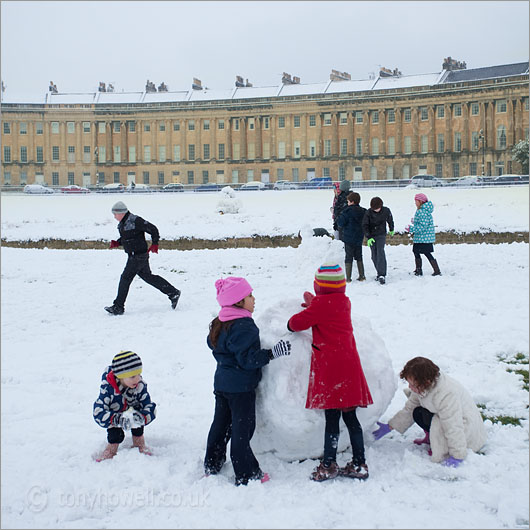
(114, 244)
(384, 428)
(452, 462)
(153, 248)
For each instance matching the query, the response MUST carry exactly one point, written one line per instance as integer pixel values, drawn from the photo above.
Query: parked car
(114, 187)
(285, 185)
(469, 180)
(173, 186)
(73, 188)
(317, 183)
(208, 187)
(426, 181)
(139, 188)
(507, 179)
(37, 189)
(254, 185)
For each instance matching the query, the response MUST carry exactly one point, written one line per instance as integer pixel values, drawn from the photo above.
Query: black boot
(348, 272)
(418, 271)
(115, 310)
(174, 298)
(435, 268)
(360, 268)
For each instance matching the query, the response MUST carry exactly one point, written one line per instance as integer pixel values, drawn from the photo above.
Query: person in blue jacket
(235, 343)
(123, 403)
(422, 230)
(351, 223)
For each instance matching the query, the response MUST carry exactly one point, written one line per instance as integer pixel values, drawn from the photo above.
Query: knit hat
(126, 364)
(232, 290)
(420, 197)
(119, 207)
(344, 186)
(330, 278)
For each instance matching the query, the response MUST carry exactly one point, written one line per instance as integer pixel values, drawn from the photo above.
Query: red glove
(114, 244)
(308, 297)
(153, 248)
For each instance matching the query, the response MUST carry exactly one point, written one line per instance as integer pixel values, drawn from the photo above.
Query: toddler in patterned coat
(123, 403)
(422, 230)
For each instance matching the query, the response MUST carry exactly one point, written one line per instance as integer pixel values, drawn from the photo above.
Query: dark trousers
(423, 418)
(235, 420)
(378, 254)
(332, 432)
(353, 252)
(139, 265)
(115, 435)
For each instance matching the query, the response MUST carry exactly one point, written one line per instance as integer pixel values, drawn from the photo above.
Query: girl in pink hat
(234, 341)
(422, 230)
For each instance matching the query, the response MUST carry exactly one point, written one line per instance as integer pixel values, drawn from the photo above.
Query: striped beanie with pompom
(329, 279)
(126, 364)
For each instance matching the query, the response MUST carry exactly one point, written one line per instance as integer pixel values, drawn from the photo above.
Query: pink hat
(420, 197)
(232, 290)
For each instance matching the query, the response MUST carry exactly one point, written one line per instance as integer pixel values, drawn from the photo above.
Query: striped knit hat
(126, 364)
(329, 279)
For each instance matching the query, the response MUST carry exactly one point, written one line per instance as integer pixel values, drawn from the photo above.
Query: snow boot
(435, 268)
(353, 470)
(360, 268)
(424, 440)
(381, 280)
(418, 271)
(174, 298)
(115, 310)
(348, 272)
(322, 472)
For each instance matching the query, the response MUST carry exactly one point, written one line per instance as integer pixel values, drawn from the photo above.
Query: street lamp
(482, 139)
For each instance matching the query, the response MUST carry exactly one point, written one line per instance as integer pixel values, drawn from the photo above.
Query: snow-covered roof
(329, 87)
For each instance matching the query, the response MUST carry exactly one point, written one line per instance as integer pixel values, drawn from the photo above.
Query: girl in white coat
(443, 408)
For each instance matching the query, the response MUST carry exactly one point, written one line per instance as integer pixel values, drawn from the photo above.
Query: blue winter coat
(239, 357)
(350, 220)
(423, 226)
(115, 398)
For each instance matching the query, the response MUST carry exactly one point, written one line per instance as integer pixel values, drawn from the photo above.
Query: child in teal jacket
(423, 234)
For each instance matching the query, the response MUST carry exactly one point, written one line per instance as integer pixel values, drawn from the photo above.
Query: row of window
(500, 106)
(101, 153)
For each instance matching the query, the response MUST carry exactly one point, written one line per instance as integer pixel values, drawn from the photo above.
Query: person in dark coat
(350, 221)
(340, 204)
(374, 226)
(235, 344)
(336, 379)
(132, 230)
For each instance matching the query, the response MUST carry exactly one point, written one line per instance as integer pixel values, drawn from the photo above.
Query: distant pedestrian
(422, 229)
(374, 225)
(350, 222)
(132, 230)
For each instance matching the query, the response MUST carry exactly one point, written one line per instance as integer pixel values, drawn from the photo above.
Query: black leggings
(115, 435)
(423, 418)
(331, 435)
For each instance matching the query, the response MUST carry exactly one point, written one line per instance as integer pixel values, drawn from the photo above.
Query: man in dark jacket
(350, 222)
(374, 226)
(340, 204)
(132, 230)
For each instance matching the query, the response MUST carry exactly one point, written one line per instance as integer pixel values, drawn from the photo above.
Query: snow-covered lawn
(57, 340)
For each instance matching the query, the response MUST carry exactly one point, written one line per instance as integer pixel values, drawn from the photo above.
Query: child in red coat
(336, 381)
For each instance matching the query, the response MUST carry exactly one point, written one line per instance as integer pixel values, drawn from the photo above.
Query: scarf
(231, 312)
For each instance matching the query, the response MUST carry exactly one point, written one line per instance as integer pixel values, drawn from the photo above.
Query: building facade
(451, 123)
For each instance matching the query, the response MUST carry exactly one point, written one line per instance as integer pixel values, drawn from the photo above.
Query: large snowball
(284, 425)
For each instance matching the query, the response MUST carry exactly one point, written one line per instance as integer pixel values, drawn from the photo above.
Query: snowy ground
(273, 213)
(57, 340)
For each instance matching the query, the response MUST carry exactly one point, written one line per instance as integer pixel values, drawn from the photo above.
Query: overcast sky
(78, 44)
